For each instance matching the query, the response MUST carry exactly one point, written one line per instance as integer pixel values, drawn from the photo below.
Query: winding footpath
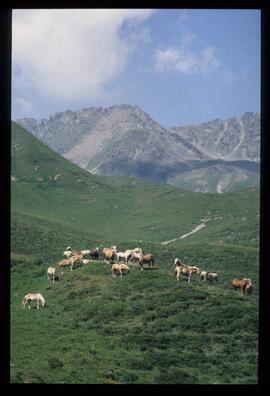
(196, 229)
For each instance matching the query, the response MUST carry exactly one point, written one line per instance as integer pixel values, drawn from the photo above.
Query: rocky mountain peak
(125, 140)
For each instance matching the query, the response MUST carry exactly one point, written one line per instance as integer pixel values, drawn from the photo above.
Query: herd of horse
(119, 265)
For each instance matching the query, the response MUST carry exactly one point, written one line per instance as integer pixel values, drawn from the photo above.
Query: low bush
(54, 363)
(175, 375)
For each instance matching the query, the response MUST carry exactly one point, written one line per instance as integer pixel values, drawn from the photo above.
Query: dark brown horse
(148, 258)
(94, 253)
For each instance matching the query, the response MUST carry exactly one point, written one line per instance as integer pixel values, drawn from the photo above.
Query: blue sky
(180, 66)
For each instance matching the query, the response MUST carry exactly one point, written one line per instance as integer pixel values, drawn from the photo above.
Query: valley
(145, 327)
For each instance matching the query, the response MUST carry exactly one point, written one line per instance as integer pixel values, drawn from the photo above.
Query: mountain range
(216, 156)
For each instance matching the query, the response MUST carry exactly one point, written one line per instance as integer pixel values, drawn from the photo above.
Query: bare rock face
(124, 140)
(234, 139)
(123, 131)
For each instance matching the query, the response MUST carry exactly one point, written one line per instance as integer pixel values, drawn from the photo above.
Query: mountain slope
(235, 139)
(218, 177)
(145, 327)
(49, 187)
(82, 135)
(124, 140)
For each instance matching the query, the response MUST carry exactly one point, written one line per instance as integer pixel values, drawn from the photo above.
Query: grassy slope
(145, 327)
(134, 208)
(234, 179)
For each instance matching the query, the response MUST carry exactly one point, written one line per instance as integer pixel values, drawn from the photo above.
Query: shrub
(54, 363)
(175, 375)
(19, 261)
(140, 363)
(36, 379)
(17, 378)
(162, 359)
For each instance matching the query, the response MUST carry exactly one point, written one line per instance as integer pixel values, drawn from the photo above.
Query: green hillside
(132, 209)
(216, 178)
(145, 327)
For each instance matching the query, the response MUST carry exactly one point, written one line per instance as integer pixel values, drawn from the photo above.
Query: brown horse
(249, 289)
(119, 268)
(186, 270)
(241, 284)
(70, 261)
(148, 258)
(109, 254)
(94, 253)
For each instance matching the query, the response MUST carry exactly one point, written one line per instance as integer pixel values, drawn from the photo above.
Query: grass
(112, 208)
(145, 327)
(234, 178)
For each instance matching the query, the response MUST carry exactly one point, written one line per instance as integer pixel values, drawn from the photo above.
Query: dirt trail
(196, 229)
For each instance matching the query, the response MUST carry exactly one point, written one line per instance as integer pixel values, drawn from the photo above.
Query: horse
(148, 258)
(70, 261)
(109, 254)
(51, 273)
(85, 261)
(178, 263)
(69, 253)
(31, 297)
(124, 256)
(186, 270)
(79, 253)
(94, 253)
(135, 256)
(137, 250)
(241, 284)
(249, 289)
(209, 276)
(119, 268)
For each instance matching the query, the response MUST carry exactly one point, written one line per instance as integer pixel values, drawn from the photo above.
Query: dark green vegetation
(145, 327)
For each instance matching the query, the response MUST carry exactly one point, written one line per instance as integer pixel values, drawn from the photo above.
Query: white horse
(51, 273)
(114, 249)
(85, 261)
(70, 253)
(135, 257)
(125, 256)
(85, 252)
(137, 250)
(178, 263)
(186, 270)
(209, 276)
(33, 296)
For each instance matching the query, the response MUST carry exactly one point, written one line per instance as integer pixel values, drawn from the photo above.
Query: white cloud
(184, 17)
(232, 77)
(185, 60)
(72, 54)
(23, 106)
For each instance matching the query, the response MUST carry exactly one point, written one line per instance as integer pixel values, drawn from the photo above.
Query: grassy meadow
(145, 327)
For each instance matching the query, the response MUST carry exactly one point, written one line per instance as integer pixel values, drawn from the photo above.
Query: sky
(180, 66)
